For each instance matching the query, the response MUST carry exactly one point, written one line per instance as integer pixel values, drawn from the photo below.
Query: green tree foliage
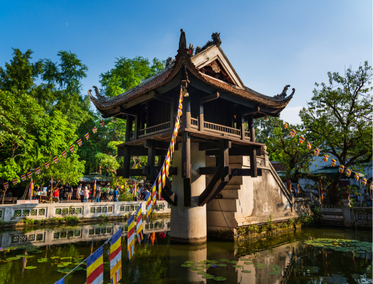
(339, 119)
(128, 73)
(29, 137)
(64, 79)
(283, 148)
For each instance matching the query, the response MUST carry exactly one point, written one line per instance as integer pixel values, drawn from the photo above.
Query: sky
(269, 43)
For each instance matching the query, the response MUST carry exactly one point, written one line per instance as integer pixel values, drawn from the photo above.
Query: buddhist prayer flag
(130, 236)
(364, 181)
(95, 267)
(86, 136)
(301, 139)
(371, 185)
(79, 141)
(71, 148)
(334, 162)
(102, 123)
(31, 189)
(317, 151)
(356, 176)
(341, 168)
(139, 233)
(309, 145)
(29, 174)
(61, 281)
(325, 157)
(23, 177)
(292, 132)
(94, 129)
(159, 186)
(6, 185)
(154, 194)
(64, 154)
(55, 159)
(348, 172)
(14, 181)
(163, 175)
(148, 199)
(286, 125)
(46, 165)
(116, 257)
(38, 170)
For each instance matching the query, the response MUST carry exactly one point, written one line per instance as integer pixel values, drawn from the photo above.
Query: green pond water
(319, 255)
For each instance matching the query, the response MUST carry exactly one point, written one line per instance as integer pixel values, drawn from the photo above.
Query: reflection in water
(280, 259)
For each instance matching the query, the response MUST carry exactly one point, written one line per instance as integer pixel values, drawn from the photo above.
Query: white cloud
(291, 115)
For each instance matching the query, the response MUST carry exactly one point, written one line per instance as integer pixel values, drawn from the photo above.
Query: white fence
(17, 212)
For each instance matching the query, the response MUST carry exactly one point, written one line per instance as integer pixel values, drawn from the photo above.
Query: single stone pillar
(188, 224)
(346, 212)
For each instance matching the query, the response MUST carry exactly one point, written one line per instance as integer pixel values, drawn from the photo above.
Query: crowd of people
(86, 193)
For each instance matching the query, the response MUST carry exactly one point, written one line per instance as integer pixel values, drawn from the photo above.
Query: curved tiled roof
(183, 59)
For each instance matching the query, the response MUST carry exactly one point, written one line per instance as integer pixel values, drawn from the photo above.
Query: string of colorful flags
(95, 264)
(55, 158)
(342, 169)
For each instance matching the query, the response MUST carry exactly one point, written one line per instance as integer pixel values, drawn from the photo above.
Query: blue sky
(269, 43)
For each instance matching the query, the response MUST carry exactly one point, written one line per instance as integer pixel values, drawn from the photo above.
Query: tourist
(98, 194)
(93, 193)
(62, 193)
(104, 192)
(85, 194)
(116, 194)
(56, 193)
(367, 198)
(77, 193)
(81, 194)
(69, 191)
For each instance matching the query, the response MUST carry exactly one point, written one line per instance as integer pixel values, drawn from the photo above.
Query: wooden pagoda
(219, 112)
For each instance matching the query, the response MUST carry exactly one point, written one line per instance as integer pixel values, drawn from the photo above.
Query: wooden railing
(194, 122)
(247, 134)
(221, 128)
(153, 129)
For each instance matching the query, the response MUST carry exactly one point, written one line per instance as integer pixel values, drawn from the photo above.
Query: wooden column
(136, 131)
(129, 120)
(186, 169)
(242, 126)
(253, 164)
(201, 118)
(186, 113)
(224, 146)
(150, 144)
(126, 162)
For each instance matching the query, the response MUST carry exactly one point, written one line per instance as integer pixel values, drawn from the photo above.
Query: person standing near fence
(85, 194)
(116, 194)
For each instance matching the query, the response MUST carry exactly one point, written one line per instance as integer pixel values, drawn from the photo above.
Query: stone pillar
(346, 212)
(188, 224)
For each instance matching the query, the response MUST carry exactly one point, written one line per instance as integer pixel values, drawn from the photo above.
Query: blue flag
(61, 281)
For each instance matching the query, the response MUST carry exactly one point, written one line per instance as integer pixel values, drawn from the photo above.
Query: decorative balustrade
(16, 212)
(221, 129)
(194, 122)
(156, 128)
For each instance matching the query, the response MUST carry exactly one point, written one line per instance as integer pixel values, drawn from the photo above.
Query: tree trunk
(333, 192)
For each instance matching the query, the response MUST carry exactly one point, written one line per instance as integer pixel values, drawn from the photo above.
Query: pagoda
(216, 144)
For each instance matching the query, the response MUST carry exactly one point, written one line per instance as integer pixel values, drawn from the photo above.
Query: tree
(29, 137)
(128, 73)
(283, 148)
(339, 120)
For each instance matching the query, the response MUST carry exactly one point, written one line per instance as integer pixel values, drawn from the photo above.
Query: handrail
(194, 122)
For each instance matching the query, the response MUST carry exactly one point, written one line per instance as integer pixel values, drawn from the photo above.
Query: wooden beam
(209, 189)
(159, 145)
(128, 128)
(234, 151)
(245, 172)
(168, 194)
(209, 98)
(146, 170)
(186, 113)
(207, 146)
(207, 170)
(136, 172)
(251, 127)
(126, 161)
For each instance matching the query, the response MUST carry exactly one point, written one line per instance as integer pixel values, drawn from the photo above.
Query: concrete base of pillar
(189, 224)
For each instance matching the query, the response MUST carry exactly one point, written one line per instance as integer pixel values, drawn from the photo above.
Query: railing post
(201, 118)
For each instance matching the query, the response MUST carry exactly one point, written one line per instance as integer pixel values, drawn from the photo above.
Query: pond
(42, 256)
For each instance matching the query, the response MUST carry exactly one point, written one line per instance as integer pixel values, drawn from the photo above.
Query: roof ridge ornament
(283, 94)
(182, 41)
(98, 95)
(215, 41)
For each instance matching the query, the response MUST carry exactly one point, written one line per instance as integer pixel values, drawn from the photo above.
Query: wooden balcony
(194, 126)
